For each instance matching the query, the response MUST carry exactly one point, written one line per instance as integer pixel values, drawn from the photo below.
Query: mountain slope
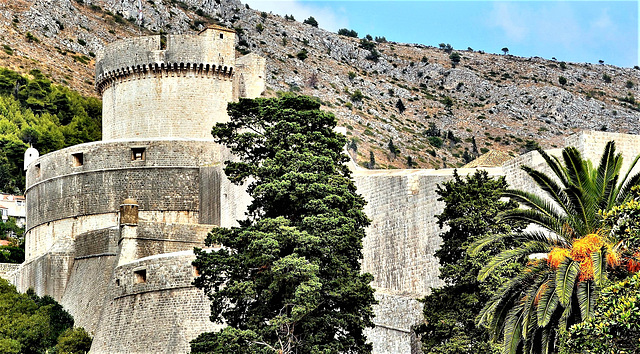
(405, 94)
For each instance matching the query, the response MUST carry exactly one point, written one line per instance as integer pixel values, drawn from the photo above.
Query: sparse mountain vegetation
(502, 95)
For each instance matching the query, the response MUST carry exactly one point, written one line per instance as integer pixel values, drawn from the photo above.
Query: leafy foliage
(310, 21)
(615, 326)
(50, 117)
(554, 293)
(29, 323)
(74, 341)
(472, 205)
(288, 279)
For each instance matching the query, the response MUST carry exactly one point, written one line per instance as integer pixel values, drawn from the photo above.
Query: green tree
(554, 293)
(288, 279)
(472, 205)
(505, 50)
(372, 160)
(393, 149)
(29, 323)
(74, 341)
(311, 21)
(562, 80)
(455, 58)
(348, 33)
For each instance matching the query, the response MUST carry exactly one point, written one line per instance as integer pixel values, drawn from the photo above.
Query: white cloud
(510, 20)
(327, 17)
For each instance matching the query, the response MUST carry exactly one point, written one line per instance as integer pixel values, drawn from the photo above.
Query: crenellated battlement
(159, 70)
(176, 86)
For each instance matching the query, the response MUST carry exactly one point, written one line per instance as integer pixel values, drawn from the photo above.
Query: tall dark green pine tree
(288, 278)
(471, 208)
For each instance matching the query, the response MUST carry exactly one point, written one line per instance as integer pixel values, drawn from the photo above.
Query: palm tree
(568, 253)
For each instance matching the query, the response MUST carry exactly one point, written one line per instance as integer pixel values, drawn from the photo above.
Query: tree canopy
(472, 206)
(288, 278)
(49, 117)
(29, 323)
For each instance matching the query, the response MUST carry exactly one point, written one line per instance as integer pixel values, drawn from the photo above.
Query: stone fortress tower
(112, 224)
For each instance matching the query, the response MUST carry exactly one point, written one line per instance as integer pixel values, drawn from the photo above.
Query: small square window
(140, 276)
(221, 36)
(137, 154)
(78, 159)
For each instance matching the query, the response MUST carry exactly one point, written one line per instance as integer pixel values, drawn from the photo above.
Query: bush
(74, 341)
(615, 326)
(310, 21)
(455, 58)
(606, 78)
(562, 80)
(357, 96)
(435, 141)
(302, 55)
(348, 33)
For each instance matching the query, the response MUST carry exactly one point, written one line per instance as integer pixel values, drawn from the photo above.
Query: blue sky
(573, 31)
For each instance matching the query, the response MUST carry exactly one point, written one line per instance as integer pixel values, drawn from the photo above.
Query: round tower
(176, 86)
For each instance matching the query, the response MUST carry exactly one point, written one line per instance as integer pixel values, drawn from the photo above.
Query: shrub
(606, 78)
(357, 96)
(74, 341)
(562, 80)
(435, 141)
(310, 21)
(348, 33)
(302, 55)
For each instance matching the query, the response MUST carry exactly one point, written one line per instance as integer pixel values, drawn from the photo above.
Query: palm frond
(555, 166)
(583, 208)
(552, 239)
(547, 303)
(566, 275)
(509, 255)
(586, 299)
(529, 322)
(599, 267)
(623, 193)
(556, 225)
(576, 168)
(533, 202)
(550, 187)
(478, 245)
(513, 330)
(607, 173)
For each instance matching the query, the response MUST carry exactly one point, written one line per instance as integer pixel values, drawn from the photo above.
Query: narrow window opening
(140, 276)
(78, 159)
(38, 170)
(137, 154)
(117, 282)
(221, 36)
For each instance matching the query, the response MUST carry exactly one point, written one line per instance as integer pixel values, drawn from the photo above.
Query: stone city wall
(86, 290)
(8, 269)
(106, 155)
(403, 236)
(47, 274)
(395, 315)
(153, 308)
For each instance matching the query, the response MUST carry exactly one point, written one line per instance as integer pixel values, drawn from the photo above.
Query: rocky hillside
(439, 106)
